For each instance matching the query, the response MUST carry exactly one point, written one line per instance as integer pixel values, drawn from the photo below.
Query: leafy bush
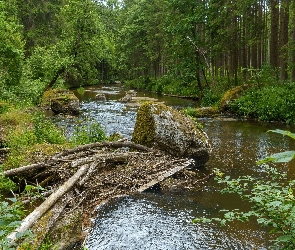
(90, 133)
(46, 131)
(11, 214)
(210, 98)
(272, 199)
(272, 103)
(26, 132)
(191, 112)
(5, 183)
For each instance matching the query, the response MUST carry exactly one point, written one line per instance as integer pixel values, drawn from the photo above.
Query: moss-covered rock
(206, 112)
(160, 126)
(231, 95)
(60, 101)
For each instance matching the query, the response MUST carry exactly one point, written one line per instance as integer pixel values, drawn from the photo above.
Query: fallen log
(4, 150)
(47, 204)
(164, 175)
(61, 157)
(25, 169)
(103, 144)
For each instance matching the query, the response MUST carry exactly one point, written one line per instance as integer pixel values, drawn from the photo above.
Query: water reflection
(163, 221)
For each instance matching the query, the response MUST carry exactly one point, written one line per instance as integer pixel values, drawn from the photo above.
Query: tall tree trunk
(292, 59)
(254, 57)
(284, 22)
(274, 46)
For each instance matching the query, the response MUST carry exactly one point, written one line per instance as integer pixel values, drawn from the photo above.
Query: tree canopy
(201, 43)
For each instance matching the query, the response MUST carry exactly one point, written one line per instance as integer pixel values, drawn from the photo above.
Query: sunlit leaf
(278, 157)
(283, 132)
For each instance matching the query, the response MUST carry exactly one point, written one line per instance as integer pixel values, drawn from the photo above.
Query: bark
(284, 21)
(70, 155)
(28, 222)
(54, 79)
(292, 60)
(162, 176)
(274, 34)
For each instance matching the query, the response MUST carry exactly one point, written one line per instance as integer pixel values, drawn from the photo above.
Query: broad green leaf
(283, 132)
(285, 238)
(286, 156)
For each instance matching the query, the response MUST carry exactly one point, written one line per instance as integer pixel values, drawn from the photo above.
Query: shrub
(210, 98)
(272, 103)
(93, 132)
(11, 213)
(272, 199)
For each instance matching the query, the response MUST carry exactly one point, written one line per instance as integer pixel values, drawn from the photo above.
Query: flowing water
(163, 220)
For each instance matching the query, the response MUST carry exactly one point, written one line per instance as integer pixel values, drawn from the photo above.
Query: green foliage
(191, 112)
(11, 44)
(165, 84)
(81, 91)
(47, 244)
(5, 183)
(272, 103)
(210, 98)
(272, 199)
(25, 132)
(46, 131)
(90, 133)
(11, 213)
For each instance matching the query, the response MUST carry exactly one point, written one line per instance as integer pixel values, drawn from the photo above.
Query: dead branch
(4, 150)
(47, 204)
(164, 175)
(62, 157)
(103, 144)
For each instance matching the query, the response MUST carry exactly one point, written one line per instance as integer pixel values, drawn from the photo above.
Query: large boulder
(61, 101)
(162, 127)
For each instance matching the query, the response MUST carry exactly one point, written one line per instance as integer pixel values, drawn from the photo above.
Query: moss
(144, 129)
(231, 95)
(15, 121)
(62, 95)
(30, 155)
(206, 112)
(68, 230)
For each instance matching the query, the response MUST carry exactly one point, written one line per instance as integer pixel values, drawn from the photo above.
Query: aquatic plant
(272, 199)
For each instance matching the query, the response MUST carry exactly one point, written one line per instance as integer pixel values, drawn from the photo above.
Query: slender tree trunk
(274, 46)
(254, 57)
(284, 23)
(56, 76)
(292, 59)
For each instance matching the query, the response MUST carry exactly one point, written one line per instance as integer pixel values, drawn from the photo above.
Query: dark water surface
(164, 220)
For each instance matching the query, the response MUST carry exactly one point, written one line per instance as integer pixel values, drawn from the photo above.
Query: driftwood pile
(78, 180)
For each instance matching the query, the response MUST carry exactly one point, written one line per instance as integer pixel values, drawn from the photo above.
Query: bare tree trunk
(274, 50)
(284, 22)
(292, 60)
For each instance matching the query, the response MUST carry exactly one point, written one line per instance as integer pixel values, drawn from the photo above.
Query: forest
(198, 49)
(190, 48)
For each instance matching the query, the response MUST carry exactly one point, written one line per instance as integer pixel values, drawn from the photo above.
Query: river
(163, 220)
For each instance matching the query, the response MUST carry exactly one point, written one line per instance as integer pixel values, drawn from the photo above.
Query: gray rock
(164, 128)
(129, 96)
(100, 97)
